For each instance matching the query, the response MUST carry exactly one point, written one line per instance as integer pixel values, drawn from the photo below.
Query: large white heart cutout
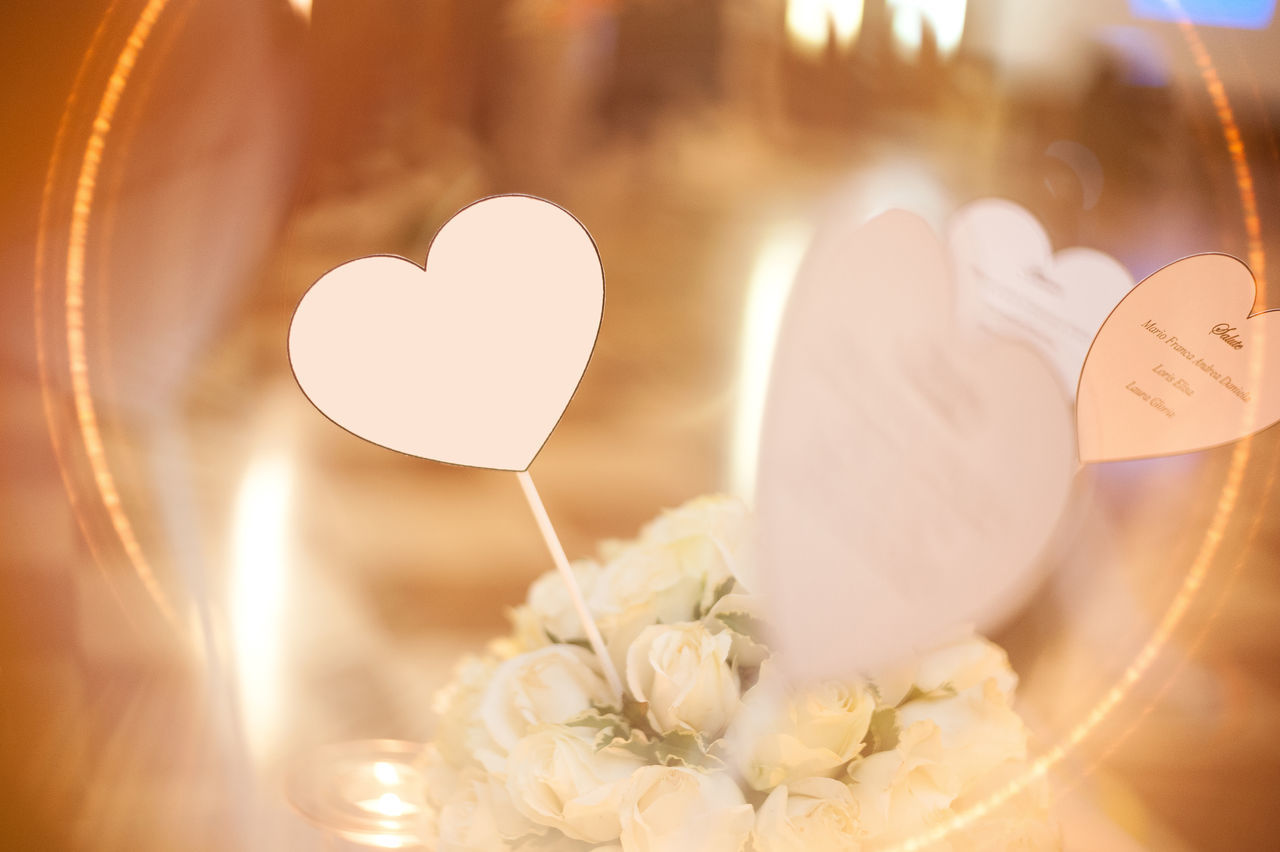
(470, 360)
(911, 469)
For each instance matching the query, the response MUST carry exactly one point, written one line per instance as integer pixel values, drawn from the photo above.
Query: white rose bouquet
(709, 750)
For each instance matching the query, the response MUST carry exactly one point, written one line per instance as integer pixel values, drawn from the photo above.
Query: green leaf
(719, 592)
(636, 742)
(636, 712)
(593, 719)
(744, 624)
(915, 693)
(748, 676)
(556, 640)
(686, 748)
(608, 725)
(677, 748)
(883, 733)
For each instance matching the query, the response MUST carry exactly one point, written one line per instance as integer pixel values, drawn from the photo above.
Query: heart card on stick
(1179, 365)
(912, 469)
(470, 360)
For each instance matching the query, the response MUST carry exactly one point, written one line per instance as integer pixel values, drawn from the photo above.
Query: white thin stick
(575, 592)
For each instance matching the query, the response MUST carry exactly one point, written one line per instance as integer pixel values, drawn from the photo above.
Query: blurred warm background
(217, 580)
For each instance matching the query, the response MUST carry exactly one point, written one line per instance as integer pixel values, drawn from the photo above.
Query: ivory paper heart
(1180, 365)
(911, 470)
(1011, 282)
(470, 360)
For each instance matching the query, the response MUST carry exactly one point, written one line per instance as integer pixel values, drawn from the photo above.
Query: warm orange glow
(87, 420)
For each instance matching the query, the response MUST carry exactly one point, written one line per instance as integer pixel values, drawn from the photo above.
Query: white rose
(810, 815)
(480, 817)
(440, 777)
(718, 515)
(724, 521)
(459, 731)
(978, 730)
(650, 584)
(465, 824)
(657, 582)
(548, 608)
(683, 672)
(557, 778)
(677, 809)
(965, 664)
(671, 573)
(957, 666)
(742, 615)
(548, 686)
(527, 634)
(903, 789)
(785, 736)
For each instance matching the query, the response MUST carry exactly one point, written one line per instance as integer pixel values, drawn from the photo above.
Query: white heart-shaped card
(471, 359)
(1010, 281)
(911, 469)
(1180, 365)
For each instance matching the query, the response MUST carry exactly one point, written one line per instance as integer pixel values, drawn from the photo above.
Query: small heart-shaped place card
(1010, 281)
(1179, 365)
(912, 468)
(470, 360)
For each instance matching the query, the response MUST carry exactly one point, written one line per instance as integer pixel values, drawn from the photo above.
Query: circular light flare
(78, 368)
(42, 361)
(104, 480)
